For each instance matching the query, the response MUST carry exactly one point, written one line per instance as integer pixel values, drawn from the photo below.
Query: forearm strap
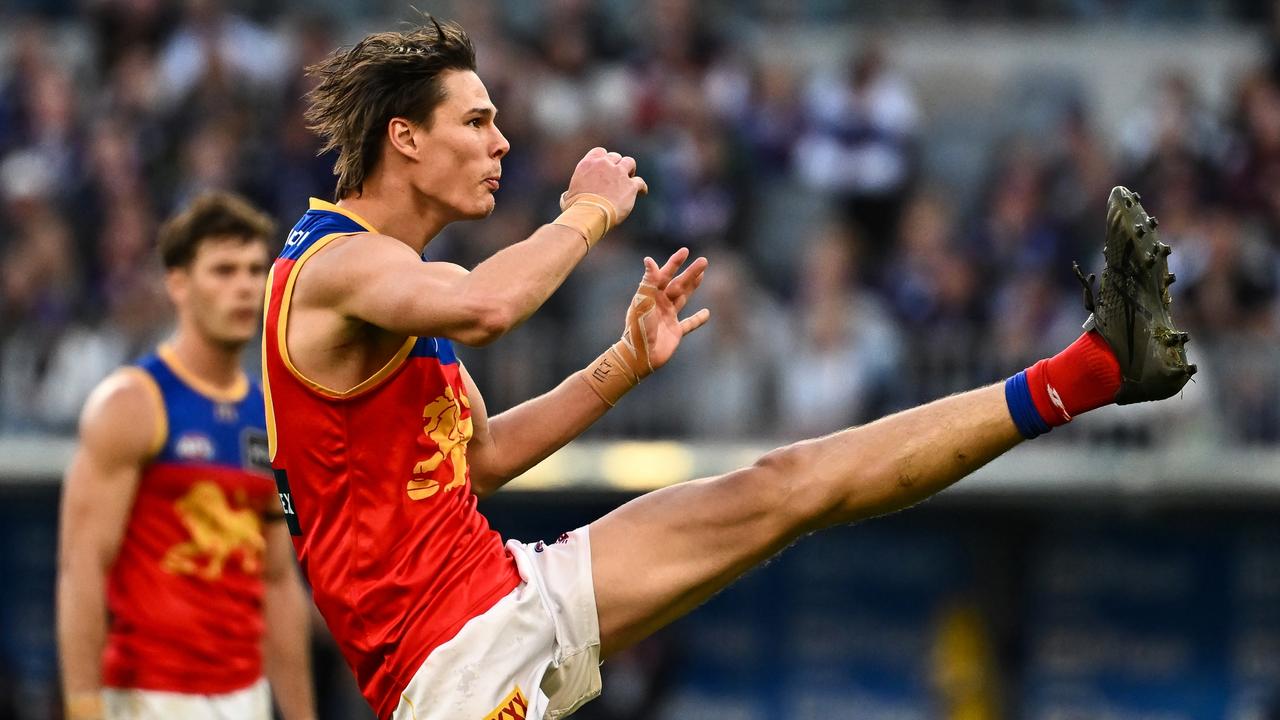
(626, 362)
(588, 214)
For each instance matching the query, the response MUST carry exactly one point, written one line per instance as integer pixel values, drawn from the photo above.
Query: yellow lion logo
(451, 432)
(217, 532)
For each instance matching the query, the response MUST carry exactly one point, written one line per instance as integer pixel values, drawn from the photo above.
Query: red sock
(1084, 376)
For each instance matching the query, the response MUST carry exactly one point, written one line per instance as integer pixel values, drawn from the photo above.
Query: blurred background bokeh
(891, 194)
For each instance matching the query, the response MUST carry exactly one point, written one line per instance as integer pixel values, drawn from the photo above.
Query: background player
(174, 565)
(379, 433)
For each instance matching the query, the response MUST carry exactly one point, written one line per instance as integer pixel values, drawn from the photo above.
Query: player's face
(220, 293)
(462, 149)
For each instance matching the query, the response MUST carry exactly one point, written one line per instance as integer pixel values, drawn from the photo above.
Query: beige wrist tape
(84, 706)
(590, 215)
(626, 362)
(611, 375)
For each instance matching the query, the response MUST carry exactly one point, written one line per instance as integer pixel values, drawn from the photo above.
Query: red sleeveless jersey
(375, 487)
(184, 595)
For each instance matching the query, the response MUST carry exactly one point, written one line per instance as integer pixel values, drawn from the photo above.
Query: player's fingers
(686, 290)
(679, 298)
(596, 151)
(614, 157)
(652, 273)
(685, 282)
(642, 187)
(629, 164)
(695, 321)
(656, 276)
(674, 262)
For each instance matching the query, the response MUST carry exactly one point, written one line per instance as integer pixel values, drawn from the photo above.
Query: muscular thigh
(659, 556)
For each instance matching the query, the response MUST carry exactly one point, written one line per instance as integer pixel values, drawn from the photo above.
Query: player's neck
(216, 363)
(398, 212)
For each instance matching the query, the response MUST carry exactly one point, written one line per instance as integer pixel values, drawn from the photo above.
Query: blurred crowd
(845, 281)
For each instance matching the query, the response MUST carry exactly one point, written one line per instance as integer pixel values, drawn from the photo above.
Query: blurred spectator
(1014, 235)
(1254, 165)
(1079, 177)
(730, 374)
(696, 192)
(289, 167)
(52, 131)
(932, 282)
(936, 293)
(860, 143)
(126, 27)
(571, 90)
(752, 158)
(210, 161)
(37, 302)
(1174, 137)
(1232, 285)
(28, 54)
(844, 351)
(113, 183)
(213, 51)
(771, 124)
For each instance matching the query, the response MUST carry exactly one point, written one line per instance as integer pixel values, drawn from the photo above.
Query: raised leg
(661, 555)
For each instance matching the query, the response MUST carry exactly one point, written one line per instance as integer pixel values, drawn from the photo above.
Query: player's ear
(176, 283)
(400, 136)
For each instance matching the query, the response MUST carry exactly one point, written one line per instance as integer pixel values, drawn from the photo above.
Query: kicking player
(380, 440)
(174, 562)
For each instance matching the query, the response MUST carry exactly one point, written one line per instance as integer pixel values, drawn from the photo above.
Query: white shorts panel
(535, 654)
(251, 703)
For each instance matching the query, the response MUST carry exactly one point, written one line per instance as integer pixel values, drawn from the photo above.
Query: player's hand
(661, 297)
(610, 175)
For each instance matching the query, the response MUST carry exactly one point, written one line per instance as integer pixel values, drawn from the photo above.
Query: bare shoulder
(357, 258)
(362, 262)
(355, 252)
(123, 416)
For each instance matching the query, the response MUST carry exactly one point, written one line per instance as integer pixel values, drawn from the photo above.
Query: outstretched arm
(379, 280)
(510, 443)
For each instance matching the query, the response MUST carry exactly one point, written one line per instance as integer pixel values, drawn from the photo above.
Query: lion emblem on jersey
(445, 427)
(218, 532)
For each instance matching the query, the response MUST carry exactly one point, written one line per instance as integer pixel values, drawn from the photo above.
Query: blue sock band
(1023, 409)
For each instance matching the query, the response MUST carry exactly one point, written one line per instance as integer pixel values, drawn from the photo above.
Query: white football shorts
(251, 703)
(534, 655)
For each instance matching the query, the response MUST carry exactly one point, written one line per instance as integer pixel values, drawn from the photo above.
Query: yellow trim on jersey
(413, 710)
(282, 328)
(318, 204)
(266, 376)
(157, 400)
(238, 390)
